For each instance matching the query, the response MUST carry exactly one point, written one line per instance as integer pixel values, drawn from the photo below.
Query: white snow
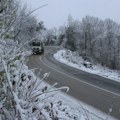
(74, 60)
(86, 111)
(74, 108)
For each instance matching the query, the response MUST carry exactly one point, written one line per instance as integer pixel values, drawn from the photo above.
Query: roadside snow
(74, 60)
(87, 112)
(69, 108)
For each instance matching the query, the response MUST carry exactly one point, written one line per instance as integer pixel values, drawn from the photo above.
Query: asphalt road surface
(99, 92)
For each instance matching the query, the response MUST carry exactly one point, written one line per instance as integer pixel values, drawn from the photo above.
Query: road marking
(79, 79)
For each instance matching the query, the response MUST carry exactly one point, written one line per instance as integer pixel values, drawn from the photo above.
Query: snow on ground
(74, 60)
(69, 108)
(72, 109)
(85, 110)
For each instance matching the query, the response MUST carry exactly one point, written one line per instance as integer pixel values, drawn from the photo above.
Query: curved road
(94, 90)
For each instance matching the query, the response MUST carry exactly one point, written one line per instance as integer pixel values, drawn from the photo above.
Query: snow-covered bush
(72, 57)
(75, 60)
(23, 95)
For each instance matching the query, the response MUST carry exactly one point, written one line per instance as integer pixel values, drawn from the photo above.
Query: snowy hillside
(76, 61)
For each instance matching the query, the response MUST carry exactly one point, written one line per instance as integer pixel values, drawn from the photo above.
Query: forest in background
(96, 40)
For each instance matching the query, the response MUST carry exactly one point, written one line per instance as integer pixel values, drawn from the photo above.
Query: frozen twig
(18, 107)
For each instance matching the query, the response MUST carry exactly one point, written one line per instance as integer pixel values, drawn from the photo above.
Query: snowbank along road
(92, 89)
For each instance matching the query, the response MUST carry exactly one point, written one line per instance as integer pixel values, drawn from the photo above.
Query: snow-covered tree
(94, 39)
(51, 37)
(72, 34)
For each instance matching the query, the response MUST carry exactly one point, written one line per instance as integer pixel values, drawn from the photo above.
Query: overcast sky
(56, 12)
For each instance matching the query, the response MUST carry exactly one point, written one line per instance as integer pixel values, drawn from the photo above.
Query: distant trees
(61, 36)
(72, 34)
(26, 26)
(51, 37)
(94, 39)
(25, 30)
(16, 22)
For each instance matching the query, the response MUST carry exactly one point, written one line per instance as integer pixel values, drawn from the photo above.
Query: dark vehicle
(37, 47)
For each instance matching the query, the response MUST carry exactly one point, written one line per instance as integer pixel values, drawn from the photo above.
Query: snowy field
(74, 60)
